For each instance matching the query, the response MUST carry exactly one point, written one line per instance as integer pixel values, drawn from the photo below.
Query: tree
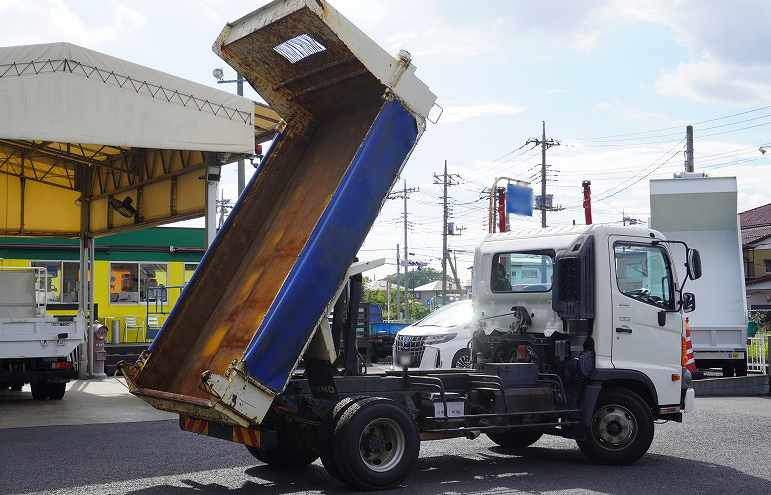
(418, 277)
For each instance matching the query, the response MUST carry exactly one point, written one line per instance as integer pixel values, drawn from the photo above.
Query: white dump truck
(35, 348)
(589, 348)
(702, 211)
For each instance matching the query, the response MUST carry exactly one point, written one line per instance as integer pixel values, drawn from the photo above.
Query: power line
(671, 128)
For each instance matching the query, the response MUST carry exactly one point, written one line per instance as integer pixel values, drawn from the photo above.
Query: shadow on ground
(497, 470)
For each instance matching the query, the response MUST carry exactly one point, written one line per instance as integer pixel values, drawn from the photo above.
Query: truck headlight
(440, 339)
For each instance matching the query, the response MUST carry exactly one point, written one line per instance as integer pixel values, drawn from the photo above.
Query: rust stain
(244, 271)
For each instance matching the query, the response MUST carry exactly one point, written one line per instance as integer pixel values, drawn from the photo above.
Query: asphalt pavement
(723, 447)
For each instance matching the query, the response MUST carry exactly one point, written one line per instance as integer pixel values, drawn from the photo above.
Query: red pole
(501, 209)
(587, 201)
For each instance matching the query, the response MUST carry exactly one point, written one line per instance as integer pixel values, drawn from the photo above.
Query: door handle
(623, 330)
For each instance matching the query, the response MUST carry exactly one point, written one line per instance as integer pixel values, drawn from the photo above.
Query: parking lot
(102, 440)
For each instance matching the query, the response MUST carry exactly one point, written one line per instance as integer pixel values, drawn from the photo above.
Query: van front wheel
(621, 429)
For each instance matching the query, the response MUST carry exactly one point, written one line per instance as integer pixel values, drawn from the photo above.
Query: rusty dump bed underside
(220, 313)
(330, 101)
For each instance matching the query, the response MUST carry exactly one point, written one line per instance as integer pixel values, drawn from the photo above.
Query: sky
(615, 81)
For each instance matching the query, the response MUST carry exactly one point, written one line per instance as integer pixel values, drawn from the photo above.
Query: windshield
(452, 315)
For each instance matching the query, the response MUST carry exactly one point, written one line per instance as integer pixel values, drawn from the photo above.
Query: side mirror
(689, 302)
(694, 264)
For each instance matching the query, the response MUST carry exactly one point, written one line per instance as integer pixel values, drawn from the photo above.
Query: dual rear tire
(43, 390)
(369, 443)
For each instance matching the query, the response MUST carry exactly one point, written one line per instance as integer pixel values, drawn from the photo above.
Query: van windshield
(452, 315)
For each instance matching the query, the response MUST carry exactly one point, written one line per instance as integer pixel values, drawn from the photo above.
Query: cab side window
(643, 273)
(522, 272)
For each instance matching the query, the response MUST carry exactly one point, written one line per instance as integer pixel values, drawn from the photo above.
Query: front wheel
(621, 430)
(462, 359)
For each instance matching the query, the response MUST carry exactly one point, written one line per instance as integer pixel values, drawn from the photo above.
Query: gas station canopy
(91, 144)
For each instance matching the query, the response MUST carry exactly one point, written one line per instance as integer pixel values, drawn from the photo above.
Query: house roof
(754, 234)
(756, 217)
(381, 285)
(758, 280)
(435, 286)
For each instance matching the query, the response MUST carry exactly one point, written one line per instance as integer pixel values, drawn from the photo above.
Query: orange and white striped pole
(688, 359)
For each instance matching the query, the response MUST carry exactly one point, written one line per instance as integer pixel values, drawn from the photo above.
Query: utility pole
(388, 299)
(398, 286)
(218, 75)
(545, 145)
(587, 201)
(225, 207)
(241, 170)
(454, 272)
(447, 180)
(405, 194)
(689, 148)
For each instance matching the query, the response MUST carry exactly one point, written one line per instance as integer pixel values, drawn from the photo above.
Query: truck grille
(412, 344)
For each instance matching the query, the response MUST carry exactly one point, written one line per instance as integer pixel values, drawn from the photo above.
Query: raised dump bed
(353, 115)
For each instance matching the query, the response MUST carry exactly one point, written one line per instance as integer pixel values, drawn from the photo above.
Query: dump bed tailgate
(353, 116)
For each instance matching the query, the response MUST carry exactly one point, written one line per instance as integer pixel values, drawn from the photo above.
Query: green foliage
(417, 310)
(418, 277)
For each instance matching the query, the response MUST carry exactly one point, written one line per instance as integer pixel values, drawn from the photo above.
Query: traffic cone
(689, 361)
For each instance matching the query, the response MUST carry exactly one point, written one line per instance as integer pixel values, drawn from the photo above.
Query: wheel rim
(381, 445)
(614, 427)
(464, 361)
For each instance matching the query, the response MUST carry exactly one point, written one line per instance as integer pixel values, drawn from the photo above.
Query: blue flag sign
(519, 199)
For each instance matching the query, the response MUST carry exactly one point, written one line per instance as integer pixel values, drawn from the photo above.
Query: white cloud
(607, 105)
(55, 21)
(711, 80)
(463, 113)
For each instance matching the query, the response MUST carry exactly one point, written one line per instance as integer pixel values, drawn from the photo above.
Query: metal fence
(757, 353)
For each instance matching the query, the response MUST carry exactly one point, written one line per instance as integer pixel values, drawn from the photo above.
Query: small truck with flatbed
(35, 348)
(591, 350)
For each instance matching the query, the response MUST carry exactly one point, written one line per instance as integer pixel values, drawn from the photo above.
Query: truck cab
(598, 305)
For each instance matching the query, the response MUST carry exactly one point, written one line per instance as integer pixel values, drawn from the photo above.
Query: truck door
(642, 285)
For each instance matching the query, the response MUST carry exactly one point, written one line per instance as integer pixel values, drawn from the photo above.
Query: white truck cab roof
(557, 238)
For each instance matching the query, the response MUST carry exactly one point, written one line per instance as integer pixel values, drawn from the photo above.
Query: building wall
(758, 299)
(151, 246)
(109, 310)
(755, 262)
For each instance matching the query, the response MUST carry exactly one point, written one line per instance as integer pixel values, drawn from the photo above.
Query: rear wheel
(376, 444)
(515, 439)
(740, 367)
(621, 430)
(728, 369)
(40, 390)
(326, 435)
(57, 391)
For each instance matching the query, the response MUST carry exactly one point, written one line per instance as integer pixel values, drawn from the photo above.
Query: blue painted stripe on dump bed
(332, 247)
(205, 258)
